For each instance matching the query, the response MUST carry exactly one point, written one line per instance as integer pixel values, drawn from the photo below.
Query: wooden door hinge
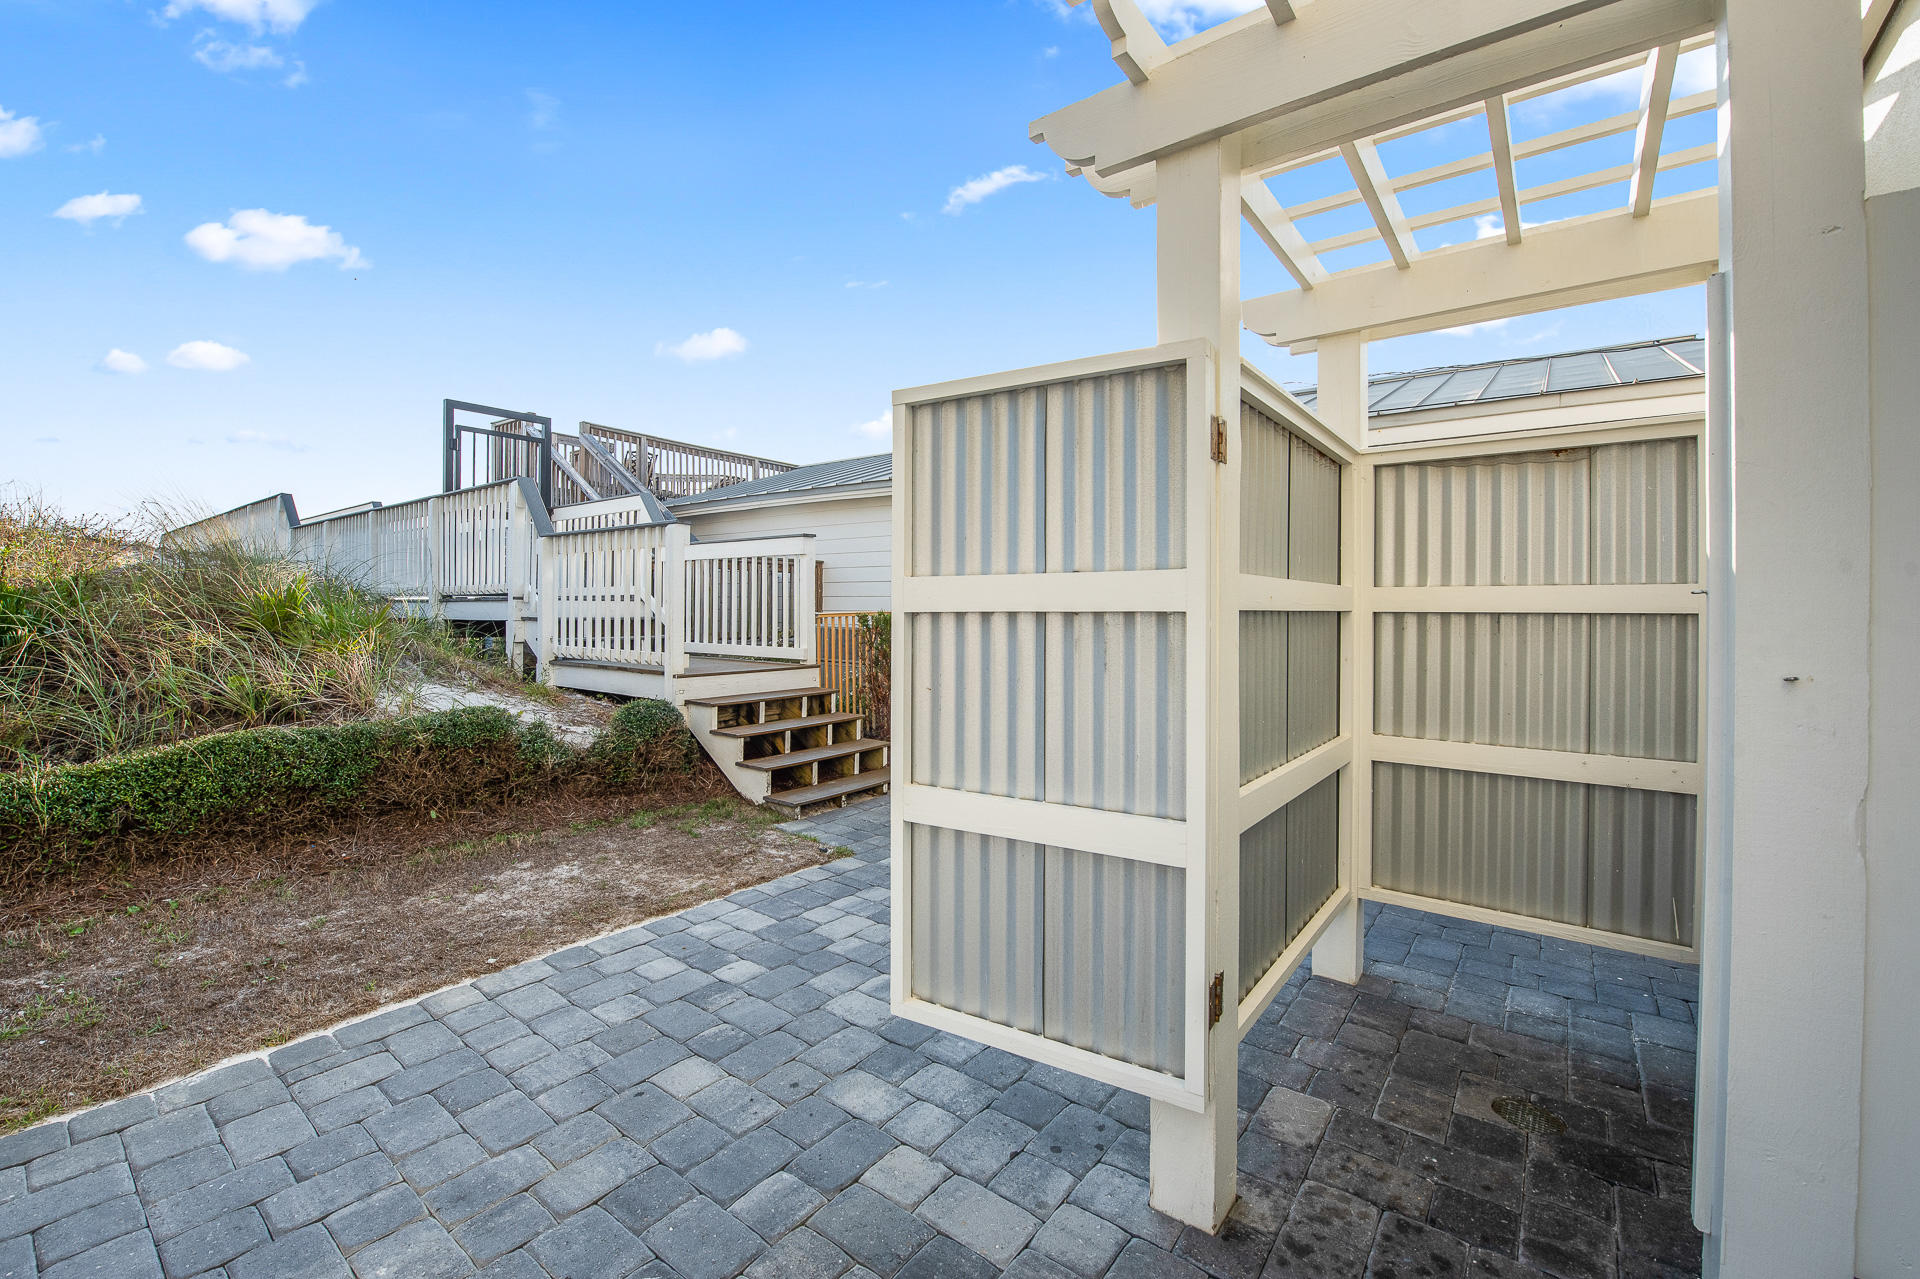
(1220, 439)
(1216, 999)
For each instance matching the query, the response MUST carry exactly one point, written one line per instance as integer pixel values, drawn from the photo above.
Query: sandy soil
(112, 987)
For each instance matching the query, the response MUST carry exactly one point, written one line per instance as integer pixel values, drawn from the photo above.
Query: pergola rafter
(1656, 91)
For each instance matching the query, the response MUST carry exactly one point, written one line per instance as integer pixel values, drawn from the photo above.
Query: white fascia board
(1328, 76)
(1593, 259)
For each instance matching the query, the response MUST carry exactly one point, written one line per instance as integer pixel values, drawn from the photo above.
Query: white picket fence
(595, 585)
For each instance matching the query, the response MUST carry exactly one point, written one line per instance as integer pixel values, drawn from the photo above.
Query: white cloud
(1471, 330)
(1178, 19)
(261, 15)
(978, 189)
(19, 134)
(211, 357)
(263, 241)
(94, 147)
(1488, 225)
(88, 209)
(715, 345)
(226, 57)
(866, 284)
(543, 109)
(1694, 73)
(880, 428)
(296, 77)
(118, 361)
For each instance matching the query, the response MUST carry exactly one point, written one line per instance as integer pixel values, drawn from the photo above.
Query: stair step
(839, 786)
(814, 755)
(782, 725)
(748, 699)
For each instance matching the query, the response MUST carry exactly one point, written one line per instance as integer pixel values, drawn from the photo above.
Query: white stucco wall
(852, 537)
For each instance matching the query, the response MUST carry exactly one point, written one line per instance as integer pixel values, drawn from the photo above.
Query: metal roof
(852, 472)
(1658, 361)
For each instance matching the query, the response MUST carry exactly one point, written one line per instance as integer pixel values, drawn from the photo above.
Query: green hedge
(56, 819)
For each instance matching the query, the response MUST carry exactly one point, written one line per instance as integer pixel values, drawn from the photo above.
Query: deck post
(549, 561)
(433, 557)
(519, 568)
(1192, 1153)
(1340, 954)
(673, 598)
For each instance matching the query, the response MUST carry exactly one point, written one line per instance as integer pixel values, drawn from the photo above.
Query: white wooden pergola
(1199, 130)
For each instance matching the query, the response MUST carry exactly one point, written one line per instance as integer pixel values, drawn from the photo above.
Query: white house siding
(851, 537)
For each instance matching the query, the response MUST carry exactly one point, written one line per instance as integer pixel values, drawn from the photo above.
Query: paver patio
(723, 1090)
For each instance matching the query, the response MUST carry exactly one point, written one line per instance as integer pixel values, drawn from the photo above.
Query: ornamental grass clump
(111, 643)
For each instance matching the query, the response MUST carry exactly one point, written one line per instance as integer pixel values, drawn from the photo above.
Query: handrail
(605, 582)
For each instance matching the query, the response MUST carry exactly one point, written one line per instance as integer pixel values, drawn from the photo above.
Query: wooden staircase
(790, 747)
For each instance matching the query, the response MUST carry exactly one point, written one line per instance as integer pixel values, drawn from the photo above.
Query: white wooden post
(545, 550)
(1192, 1153)
(1789, 979)
(1340, 953)
(433, 557)
(673, 592)
(520, 551)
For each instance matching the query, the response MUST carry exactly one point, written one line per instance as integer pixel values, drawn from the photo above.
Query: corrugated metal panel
(1116, 957)
(1116, 726)
(1265, 477)
(1313, 852)
(1642, 864)
(1289, 867)
(1263, 897)
(980, 470)
(1511, 520)
(978, 924)
(1498, 679)
(1646, 686)
(977, 711)
(1507, 843)
(1579, 372)
(1313, 681)
(1313, 515)
(1646, 512)
(1263, 693)
(1116, 455)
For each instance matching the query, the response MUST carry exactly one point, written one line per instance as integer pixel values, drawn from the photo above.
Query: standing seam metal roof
(876, 468)
(1657, 361)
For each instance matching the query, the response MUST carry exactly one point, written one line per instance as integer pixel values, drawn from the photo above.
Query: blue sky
(347, 211)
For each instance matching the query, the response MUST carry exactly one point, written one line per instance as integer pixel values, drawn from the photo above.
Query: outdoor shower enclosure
(1176, 683)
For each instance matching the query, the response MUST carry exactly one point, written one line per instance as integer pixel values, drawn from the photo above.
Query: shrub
(154, 803)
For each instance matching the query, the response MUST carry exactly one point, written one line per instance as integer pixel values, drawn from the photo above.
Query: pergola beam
(1137, 47)
(1609, 255)
(1270, 222)
(1326, 77)
(1656, 90)
(1376, 190)
(1500, 137)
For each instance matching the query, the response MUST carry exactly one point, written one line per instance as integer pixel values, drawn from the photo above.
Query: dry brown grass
(111, 987)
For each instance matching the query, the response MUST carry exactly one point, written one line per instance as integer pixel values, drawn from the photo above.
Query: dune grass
(111, 642)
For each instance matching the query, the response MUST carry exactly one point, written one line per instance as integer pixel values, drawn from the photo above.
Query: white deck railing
(751, 598)
(603, 587)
